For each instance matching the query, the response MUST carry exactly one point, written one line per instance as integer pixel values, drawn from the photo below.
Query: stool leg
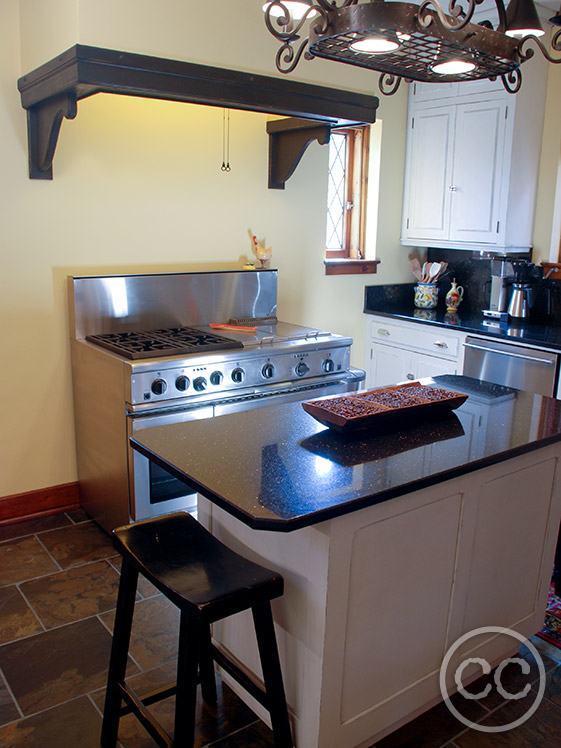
(206, 667)
(119, 654)
(272, 675)
(190, 636)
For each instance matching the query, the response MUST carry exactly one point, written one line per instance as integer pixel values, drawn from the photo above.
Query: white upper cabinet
(435, 91)
(472, 164)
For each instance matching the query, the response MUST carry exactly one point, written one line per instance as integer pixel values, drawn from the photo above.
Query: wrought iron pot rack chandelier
(415, 42)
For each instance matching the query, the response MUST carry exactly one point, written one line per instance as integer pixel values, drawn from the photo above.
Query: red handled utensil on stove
(233, 328)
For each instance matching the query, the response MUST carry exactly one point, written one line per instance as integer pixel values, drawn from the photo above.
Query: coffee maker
(523, 290)
(501, 276)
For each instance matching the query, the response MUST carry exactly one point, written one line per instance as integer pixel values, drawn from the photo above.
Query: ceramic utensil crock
(426, 295)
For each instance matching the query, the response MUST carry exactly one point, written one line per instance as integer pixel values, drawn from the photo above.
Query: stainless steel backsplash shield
(119, 303)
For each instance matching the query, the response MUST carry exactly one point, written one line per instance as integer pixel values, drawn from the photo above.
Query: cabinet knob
(438, 344)
(410, 376)
(382, 331)
(452, 188)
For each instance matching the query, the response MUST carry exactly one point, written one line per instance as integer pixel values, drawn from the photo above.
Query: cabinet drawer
(415, 337)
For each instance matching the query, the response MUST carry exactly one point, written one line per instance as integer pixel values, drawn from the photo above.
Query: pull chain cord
(226, 141)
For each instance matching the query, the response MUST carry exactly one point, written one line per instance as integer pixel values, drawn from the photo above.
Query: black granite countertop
(396, 301)
(276, 468)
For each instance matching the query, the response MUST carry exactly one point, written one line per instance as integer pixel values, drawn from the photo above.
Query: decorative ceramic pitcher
(454, 297)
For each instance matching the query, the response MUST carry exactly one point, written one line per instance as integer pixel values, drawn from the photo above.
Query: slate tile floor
(58, 583)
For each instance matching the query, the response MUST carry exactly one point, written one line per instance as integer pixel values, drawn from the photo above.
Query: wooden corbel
(43, 126)
(288, 141)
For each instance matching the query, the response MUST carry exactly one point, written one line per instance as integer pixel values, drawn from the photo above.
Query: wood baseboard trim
(40, 503)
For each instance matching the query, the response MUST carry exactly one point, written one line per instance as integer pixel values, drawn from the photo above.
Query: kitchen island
(392, 545)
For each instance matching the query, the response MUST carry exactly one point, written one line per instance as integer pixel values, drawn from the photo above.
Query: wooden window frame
(350, 259)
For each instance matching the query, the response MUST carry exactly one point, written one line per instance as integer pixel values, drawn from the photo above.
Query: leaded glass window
(336, 192)
(346, 192)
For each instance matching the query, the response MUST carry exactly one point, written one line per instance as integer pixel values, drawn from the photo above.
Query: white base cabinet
(401, 351)
(470, 552)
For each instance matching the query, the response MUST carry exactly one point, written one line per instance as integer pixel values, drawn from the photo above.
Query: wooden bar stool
(207, 582)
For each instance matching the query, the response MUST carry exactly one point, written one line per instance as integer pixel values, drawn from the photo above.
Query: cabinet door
(477, 172)
(431, 366)
(387, 365)
(390, 365)
(428, 173)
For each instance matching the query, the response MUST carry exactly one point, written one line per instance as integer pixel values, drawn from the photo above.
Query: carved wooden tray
(384, 407)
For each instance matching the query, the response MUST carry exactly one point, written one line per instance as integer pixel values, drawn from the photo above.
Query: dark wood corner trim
(350, 267)
(40, 503)
(50, 93)
(288, 141)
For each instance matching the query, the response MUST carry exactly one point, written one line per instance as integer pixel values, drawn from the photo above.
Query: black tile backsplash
(474, 275)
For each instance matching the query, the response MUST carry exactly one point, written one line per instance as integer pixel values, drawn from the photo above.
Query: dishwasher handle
(510, 354)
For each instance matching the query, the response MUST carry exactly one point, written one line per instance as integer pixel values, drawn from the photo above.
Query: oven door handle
(544, 361)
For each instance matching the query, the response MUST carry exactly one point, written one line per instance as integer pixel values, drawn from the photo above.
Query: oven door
(154, 491)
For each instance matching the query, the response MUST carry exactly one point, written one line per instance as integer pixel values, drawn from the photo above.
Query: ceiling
(546, 6)
(488, 9)
(549, 4)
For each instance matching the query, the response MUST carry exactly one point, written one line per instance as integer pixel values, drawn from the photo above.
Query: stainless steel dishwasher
(511, 365)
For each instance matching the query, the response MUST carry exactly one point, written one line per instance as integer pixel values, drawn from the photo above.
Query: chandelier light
(415, 42)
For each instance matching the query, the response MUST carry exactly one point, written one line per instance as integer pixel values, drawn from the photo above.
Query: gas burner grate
(196, 338)
(170, 341)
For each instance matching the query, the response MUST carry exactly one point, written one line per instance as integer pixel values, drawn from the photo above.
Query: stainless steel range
(149, 350)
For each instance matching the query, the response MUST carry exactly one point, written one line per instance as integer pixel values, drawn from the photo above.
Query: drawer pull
(438, 344)
(382, 331)
(410, 376)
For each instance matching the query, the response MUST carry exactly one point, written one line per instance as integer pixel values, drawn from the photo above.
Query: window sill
(345, 266)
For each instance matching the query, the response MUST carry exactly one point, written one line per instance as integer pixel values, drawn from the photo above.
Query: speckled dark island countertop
(276, 468)
(396, 301)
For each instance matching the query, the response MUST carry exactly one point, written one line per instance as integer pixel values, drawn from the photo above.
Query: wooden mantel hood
(51, 92)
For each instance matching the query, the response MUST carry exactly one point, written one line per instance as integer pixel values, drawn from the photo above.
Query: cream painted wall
(548, 207)
(137, 187)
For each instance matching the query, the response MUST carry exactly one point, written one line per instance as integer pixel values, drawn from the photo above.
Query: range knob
(182, 383)
(328, 365)
(238, 375)
(159, 386)
(268, 371)
(216, 377)
(302, 369)
(200, 384)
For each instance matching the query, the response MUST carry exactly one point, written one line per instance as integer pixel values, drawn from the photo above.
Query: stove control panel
(226, 374)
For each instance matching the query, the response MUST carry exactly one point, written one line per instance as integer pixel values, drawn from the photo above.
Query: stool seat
(207, 582)
(193, 569)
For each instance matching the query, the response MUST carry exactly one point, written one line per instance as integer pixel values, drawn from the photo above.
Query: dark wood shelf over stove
(51, 92)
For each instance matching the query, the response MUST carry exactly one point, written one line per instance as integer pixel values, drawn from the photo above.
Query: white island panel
(375, 598)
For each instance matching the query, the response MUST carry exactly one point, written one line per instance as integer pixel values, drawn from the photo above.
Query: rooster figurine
(262, 252)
